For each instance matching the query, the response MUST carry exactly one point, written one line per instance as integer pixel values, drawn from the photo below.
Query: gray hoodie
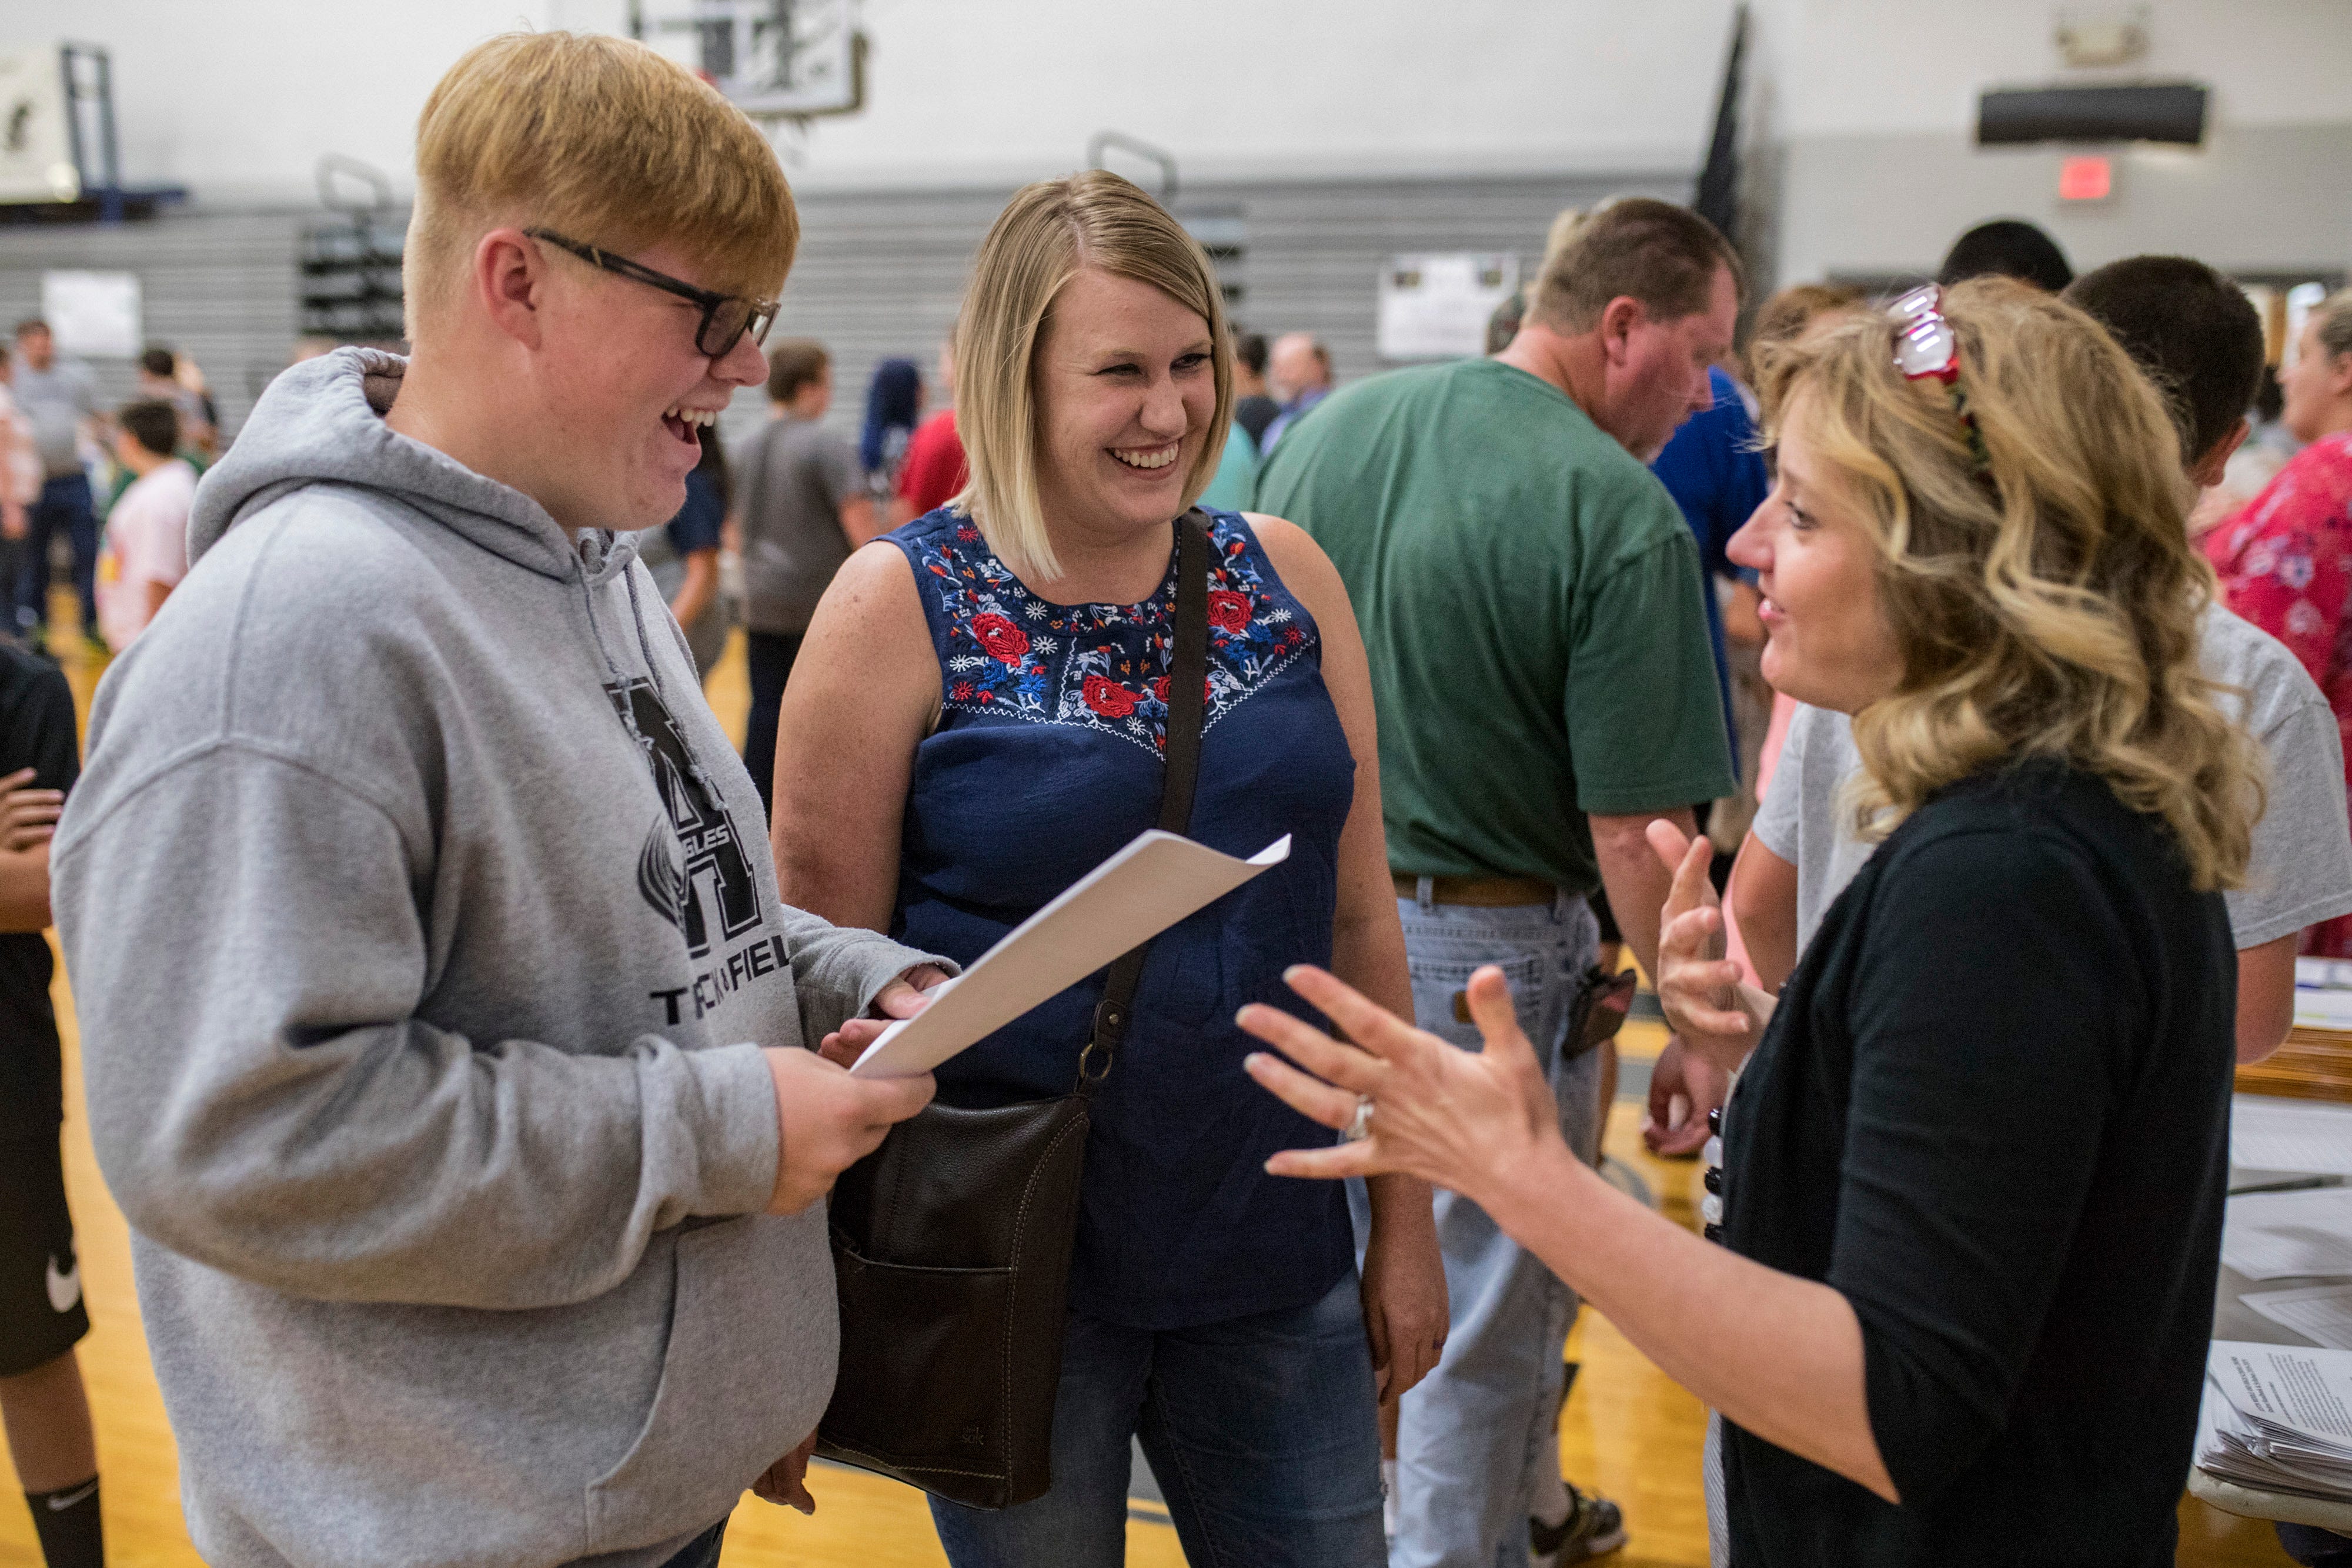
(423, 938)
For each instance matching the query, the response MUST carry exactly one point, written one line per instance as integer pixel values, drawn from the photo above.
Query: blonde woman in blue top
(977, 719)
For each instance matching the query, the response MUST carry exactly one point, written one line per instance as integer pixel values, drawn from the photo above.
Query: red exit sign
(2088, 178)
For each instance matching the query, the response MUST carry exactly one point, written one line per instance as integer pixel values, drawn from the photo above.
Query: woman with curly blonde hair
(1971, 1204)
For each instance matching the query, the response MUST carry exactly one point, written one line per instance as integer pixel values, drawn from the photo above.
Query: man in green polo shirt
(1530, 600)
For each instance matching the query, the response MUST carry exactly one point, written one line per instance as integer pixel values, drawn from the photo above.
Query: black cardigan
(1992, 1111)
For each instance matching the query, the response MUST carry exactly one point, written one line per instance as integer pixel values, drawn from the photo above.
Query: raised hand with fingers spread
(1712, 1011)
(1456, 1118)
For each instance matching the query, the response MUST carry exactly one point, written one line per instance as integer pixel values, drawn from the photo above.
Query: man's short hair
(2007, 248)
(153, 424)
(794, 364)
(1635, 247)
(2192, 330)
(159, 362)
(603, 141)
(1250, 349)
(32, 324)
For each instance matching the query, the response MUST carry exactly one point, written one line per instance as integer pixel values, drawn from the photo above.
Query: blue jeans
(1262, 1431)
(702, 1551)
(64, 504)
(1469, 1438)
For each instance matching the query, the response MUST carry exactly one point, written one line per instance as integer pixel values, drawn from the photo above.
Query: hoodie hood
(322, 423)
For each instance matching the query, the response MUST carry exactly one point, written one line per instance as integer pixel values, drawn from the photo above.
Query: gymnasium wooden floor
(1627, 1430)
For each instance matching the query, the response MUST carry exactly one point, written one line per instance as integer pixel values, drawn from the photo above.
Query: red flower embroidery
(966, 534)
(1159, 688)
(1002, 639)
(964, 691)
(988, 697)
(1108, 699)
(1228, 610)
(1293, 637)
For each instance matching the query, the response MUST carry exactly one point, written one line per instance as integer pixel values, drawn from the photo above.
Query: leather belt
(1479, 892)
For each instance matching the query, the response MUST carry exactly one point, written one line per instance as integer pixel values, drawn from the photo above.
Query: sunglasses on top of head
(725, 317)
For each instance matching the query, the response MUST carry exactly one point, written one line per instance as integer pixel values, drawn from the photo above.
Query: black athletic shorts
(41, 1313)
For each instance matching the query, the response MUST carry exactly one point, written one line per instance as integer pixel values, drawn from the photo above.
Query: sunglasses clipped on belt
(1603, 1002)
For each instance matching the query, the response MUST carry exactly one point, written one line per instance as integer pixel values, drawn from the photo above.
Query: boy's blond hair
(603, 141)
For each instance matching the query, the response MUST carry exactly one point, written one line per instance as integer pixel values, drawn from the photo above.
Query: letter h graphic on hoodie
(423, 974)
(698, 823)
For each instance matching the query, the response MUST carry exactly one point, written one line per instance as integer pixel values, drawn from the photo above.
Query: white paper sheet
(1155, 882)
(2268, 1133)
(2275, 1418)
(2281, 1235)
(2323, 1312)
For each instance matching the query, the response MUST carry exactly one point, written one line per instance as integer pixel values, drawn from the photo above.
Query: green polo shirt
(1530, 599)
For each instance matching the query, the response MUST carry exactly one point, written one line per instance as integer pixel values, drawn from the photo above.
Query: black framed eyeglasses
(725, 317)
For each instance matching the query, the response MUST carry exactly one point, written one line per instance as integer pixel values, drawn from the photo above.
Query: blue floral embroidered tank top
(1047, 758)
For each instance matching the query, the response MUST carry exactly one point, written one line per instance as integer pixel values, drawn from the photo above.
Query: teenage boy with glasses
(441, 1019)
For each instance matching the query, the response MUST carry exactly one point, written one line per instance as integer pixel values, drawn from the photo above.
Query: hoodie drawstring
(637, 614)
(596, 632)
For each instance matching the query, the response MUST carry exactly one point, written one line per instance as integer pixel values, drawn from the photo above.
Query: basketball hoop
(793, 60)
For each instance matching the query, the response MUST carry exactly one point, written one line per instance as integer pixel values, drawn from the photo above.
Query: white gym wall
(1334, 131)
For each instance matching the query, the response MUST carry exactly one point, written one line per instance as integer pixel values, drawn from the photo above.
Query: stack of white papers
(2321, 1312)
(2323, 993)
(2268, 1132)
(2323, 1009)
(2277, 1418)
(2288, 1235)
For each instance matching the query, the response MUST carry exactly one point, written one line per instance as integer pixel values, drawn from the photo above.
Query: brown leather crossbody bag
(951, 1242)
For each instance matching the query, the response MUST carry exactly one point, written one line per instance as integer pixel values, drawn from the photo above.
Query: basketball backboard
(36, 157)
(775, 58)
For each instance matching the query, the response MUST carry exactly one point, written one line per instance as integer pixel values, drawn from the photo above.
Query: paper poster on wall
(1435, 307)
(95, 315)
(35, 153)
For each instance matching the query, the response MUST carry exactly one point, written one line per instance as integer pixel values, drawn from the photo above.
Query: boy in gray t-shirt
(2300, 874)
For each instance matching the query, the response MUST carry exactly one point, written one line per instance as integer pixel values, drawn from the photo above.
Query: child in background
(146, 549)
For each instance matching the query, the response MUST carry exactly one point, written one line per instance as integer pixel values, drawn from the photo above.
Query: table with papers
(2274, 1440)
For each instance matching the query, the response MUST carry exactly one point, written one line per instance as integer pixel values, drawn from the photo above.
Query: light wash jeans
(1262, 1431)
(1470, 1436)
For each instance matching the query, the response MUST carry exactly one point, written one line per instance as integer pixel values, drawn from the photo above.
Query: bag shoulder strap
(1188, 674)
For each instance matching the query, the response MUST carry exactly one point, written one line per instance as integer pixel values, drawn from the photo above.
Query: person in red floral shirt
(2285, 562)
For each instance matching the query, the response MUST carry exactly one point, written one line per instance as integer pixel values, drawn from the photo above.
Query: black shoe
(1593, 1528)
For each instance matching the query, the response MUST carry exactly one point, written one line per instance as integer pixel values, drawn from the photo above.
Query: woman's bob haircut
(1045, 233)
